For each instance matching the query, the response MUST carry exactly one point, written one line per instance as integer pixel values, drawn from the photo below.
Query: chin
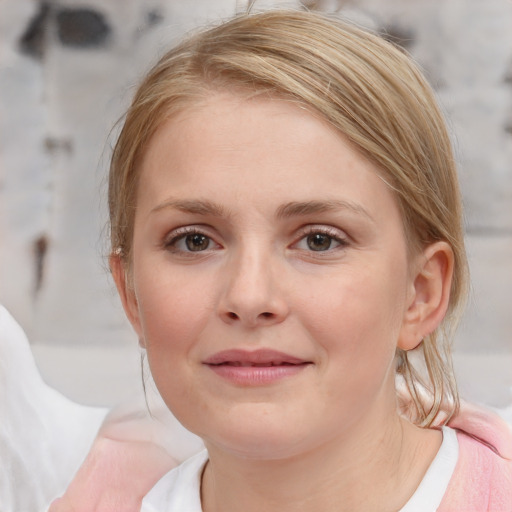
(261, 430)
(258, 440)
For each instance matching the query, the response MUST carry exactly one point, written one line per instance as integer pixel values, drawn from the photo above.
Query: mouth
(255, 368)
(257, 358)
(257, 365)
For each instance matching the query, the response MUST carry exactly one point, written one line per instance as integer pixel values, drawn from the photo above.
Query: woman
(286, 229)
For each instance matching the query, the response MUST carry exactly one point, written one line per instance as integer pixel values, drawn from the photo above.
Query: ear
(429, 294)
(126, 293)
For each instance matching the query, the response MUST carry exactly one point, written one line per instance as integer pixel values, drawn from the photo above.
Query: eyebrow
(285, 211)
(298, 208)
(197, 206)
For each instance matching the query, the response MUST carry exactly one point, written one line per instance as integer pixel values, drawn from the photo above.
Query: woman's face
(269, 277)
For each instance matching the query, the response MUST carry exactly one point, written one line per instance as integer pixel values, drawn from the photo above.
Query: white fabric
(430, 492)
(44, 437)
(180, 489)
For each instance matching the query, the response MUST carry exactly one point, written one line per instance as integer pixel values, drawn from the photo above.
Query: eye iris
(197, 242)
(319, 242)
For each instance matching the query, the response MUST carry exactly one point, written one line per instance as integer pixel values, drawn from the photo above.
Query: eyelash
(332, 233)
(181, 234)
(176, 236)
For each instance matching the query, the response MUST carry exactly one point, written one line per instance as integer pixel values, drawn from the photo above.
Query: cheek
(173, 315)
(174, 312)
(357, 328)
(356, 306)
(357, 322)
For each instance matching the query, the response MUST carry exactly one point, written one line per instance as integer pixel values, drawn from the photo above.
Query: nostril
(232, 315)
(267, 315)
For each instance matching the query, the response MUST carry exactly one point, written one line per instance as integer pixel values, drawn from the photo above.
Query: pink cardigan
(482, 481)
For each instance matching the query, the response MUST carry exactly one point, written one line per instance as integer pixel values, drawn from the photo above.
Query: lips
(255, 368)
(257, 358)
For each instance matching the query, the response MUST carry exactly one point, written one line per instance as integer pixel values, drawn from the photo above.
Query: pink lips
(255, 368)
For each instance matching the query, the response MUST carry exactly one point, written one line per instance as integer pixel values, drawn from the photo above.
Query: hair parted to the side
(368, 90)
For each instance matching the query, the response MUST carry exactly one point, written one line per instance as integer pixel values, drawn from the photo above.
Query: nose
(253, 294)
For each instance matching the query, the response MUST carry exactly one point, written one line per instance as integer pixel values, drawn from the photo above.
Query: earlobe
(430, 295)
(126, 293)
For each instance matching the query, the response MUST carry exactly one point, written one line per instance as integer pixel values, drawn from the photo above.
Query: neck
(368, 469)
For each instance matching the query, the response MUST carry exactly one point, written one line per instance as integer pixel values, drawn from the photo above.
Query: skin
(262, 183)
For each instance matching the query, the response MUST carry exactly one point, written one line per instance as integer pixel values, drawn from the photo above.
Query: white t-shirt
(180, 489)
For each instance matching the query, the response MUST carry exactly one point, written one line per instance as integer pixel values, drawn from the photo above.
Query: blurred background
(67, 71)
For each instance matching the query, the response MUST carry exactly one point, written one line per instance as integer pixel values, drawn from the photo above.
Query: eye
(321, 240)
(189, 240)
(196, 242)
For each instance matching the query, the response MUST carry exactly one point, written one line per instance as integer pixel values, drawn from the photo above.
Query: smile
(255, 368)
(260, 365)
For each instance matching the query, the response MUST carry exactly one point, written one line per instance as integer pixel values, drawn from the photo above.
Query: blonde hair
(368, 90)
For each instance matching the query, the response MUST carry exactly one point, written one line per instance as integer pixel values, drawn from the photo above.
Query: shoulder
(482, 480)
(178, 489)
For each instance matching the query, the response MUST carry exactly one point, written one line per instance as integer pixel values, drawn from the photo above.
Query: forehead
(259, 149)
